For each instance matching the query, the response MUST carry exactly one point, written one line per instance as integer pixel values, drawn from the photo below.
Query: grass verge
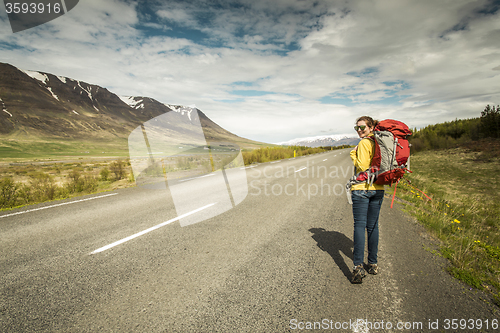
(268, 154)
(29, 183)
(56, 149)
(463, 184)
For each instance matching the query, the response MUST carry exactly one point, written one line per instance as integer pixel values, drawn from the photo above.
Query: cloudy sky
(282, 69)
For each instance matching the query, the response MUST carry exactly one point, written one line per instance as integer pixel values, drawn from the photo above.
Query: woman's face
(362, 129)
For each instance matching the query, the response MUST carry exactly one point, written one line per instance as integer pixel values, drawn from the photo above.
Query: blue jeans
(365, 210)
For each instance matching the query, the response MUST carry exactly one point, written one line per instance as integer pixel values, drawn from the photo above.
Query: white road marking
(210, 174)
(325, 159)
(121, 241)
(301, 169)
(185, 180)
(275, 162)
(61, 204)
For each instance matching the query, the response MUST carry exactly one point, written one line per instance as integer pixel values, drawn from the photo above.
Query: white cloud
(442, 57)
(179, 16)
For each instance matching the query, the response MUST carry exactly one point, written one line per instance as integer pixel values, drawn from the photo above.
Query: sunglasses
(357, 128)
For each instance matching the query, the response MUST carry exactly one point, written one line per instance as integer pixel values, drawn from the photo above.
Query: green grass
(28, 150)
(24, 184)
(52, 170)
(268, 154)
(464, 211)
(42, 148)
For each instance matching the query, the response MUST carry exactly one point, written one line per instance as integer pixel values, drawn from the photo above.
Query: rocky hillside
(42, 105)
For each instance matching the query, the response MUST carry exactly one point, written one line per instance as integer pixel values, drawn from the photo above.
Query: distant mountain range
(322, 141)
(37, 105)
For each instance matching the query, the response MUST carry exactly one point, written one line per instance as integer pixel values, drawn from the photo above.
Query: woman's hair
(368, 120)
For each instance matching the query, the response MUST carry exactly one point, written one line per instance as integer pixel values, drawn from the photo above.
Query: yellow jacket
(361, 157)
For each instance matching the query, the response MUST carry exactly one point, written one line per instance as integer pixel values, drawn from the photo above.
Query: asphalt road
(278, 261)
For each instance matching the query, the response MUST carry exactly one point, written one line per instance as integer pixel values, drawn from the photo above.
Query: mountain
(37, 105)
(322, 141)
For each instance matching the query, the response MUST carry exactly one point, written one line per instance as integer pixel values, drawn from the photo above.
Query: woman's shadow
(334, 243)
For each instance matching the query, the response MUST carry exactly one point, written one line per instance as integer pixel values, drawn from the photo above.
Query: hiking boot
(358, 274)
(372, 269)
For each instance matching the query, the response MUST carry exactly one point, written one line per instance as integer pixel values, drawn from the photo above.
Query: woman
(366, 202)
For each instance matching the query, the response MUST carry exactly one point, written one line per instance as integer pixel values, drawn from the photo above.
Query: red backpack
(392, 155)
(392, 151)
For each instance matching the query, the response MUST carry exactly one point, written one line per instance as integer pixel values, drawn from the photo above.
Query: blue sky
(278, 70)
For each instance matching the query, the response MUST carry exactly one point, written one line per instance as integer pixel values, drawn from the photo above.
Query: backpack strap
(368, 176)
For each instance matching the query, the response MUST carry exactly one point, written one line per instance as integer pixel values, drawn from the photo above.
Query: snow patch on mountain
(323, 140)
(89, 92)
(138, 103)
(43, 78)
(130, 101)
(53, 95)
(4, 109)
(37, 76)
(183, 110)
